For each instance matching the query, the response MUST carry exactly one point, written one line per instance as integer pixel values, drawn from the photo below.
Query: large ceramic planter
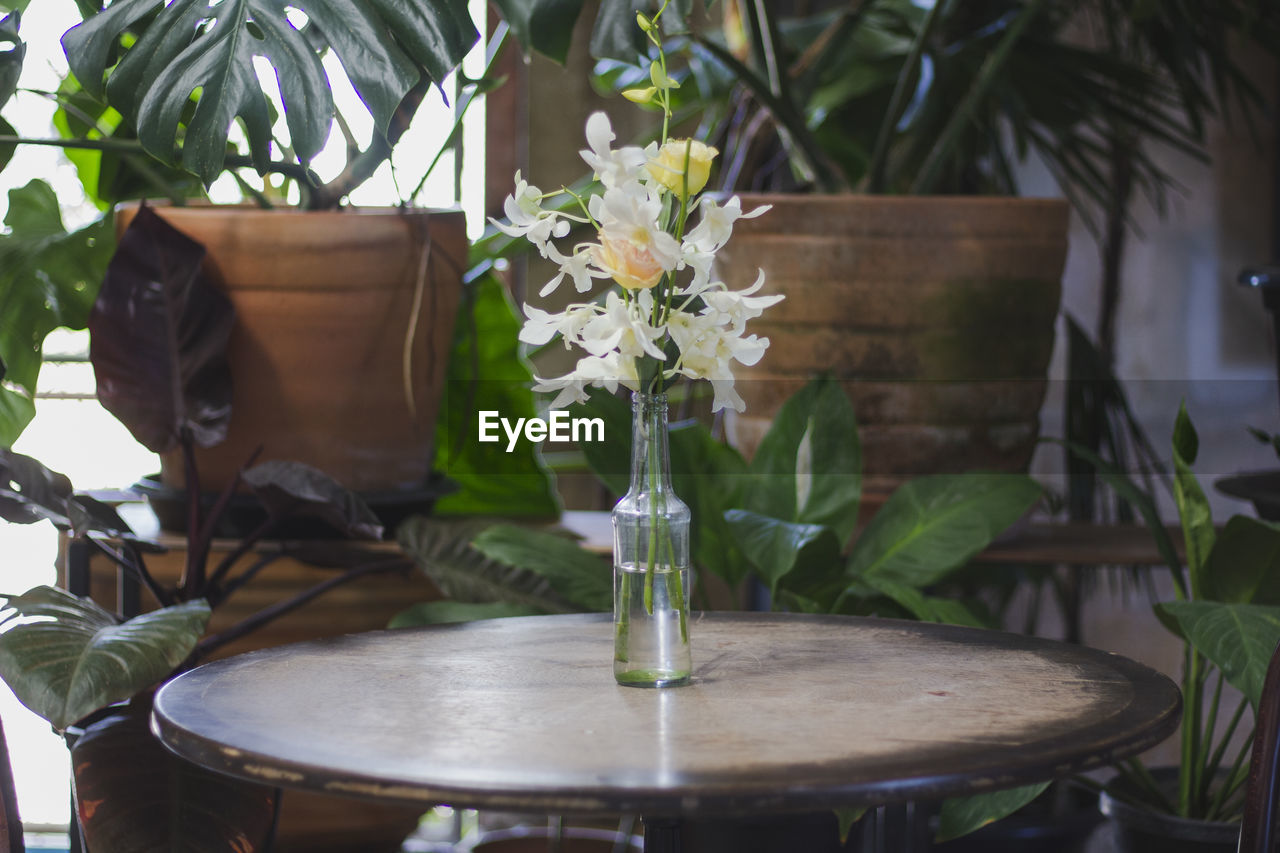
(936, 313)
(341, 341)
(1138, 830)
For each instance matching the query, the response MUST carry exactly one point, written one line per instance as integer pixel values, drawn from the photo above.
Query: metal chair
(1258, 831)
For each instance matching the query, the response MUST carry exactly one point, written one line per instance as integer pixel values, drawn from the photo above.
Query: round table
(785, 712)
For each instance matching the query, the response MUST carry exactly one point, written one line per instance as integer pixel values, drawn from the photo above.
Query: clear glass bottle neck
(650, 456)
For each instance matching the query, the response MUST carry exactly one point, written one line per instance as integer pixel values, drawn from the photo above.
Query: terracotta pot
(325, 308)
(937, 313)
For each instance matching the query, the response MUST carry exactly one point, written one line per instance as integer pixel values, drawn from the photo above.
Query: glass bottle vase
(650, 560)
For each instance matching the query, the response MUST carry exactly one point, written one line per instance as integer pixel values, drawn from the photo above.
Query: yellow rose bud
(668, 168)
(629, 262)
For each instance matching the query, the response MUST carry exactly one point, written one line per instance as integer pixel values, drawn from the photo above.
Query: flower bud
(668, 168)
(640, 95)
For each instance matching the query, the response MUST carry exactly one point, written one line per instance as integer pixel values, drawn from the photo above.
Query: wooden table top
(786, 712)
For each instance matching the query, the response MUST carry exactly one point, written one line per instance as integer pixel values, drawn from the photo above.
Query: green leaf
(48, 278)
(542, 25)
(448, 612)
(442, 549)
(1193, 507)
(30, 492)
(846, 818)
(708, 475)
(194, 48)
(962, 815)
(73, 658)
(145, 798)
(616, 34)
(582, 578)
(1244, 565)
(926, 608)
(12, 51)
(814, 433)
(610, 460)
(112, 176)
(932, 525)
(775, 547)
(487, 373)
(1239, 639)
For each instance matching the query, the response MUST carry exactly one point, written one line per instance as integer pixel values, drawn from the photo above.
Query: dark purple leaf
(158, 338)
(291, 488)
(90, 514)
(30, 492)
(133, 794)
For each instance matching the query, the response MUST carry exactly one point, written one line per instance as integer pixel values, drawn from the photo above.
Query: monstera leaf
(133, 794)
(69, 657)
(203, 51)
(30, 492)
(159, 339)
(12, 52)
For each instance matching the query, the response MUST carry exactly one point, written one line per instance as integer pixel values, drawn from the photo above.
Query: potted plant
(1227, 616)
(365, 299)
(914, 271)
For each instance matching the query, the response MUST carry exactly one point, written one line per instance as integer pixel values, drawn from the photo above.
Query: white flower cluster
(639, 245)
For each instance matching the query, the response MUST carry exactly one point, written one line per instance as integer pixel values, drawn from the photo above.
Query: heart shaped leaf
(808, 467)
(291, 488)
(775, 547)
(932, 525)
(1244, 563)
(1238, 639)
(962, 815)
(68, 657)
(133, 794)
(159, 338)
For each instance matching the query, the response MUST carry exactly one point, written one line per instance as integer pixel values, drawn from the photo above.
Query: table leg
(901, 828)
(661, 834)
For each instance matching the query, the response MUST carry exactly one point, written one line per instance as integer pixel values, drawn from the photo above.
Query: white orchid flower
(577, 266)
(613, 167)
(736, 307)
(607, 372)
(527, 218)
(716, 224)
(623, 327)
(541, 326)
